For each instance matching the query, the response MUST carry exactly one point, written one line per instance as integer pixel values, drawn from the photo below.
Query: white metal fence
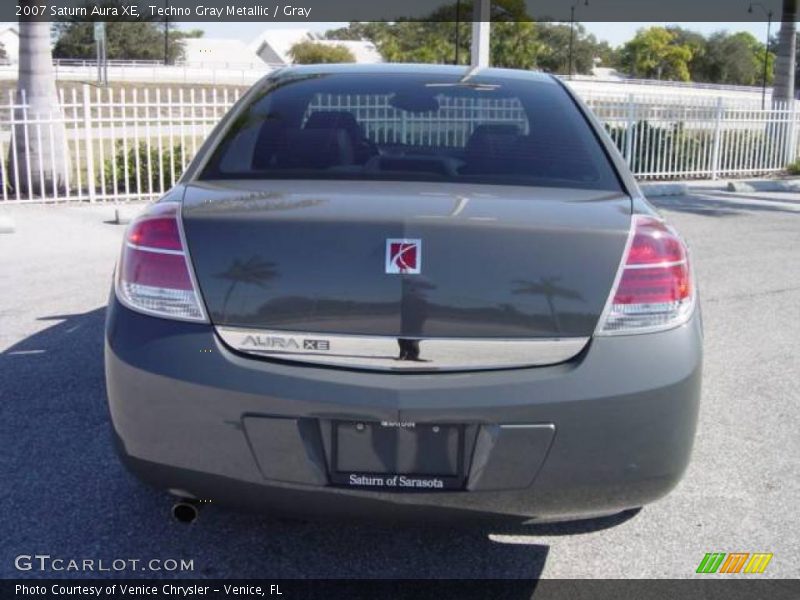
(452, 124)
(211, 73)
(668, 137)
(133, 144)
(122, 144)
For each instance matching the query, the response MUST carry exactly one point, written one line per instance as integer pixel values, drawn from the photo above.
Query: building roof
(9, 37)
(273, 45)
(279, 42)
(219, 52)
(364, 51)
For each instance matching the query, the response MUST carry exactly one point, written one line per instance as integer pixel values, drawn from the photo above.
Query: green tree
(356, 30)
(188, 33)
(554, 56)
(309, 53)
(513, 44)
(698, 44)
(447, 32)
(421, 41)
(127, 40)
(733, 58)
(607, 55)
(656, 53)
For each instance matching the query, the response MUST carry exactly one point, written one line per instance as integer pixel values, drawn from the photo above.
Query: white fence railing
(683, 85)
(257, 64)
(122, 144)
(207, 73)
(454, 122)
(133, 143)
(666, 137)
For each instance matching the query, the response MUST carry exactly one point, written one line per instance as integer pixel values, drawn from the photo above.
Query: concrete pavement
(64, 492)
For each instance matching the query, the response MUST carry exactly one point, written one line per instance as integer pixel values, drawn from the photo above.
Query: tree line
(680, 54)
(129, 40)
(669, 53)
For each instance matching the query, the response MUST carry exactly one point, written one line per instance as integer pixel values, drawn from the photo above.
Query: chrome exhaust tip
(184, 512)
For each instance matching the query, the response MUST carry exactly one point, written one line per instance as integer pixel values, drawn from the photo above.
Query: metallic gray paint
(624, 414)
(186, 410)
(499, 261)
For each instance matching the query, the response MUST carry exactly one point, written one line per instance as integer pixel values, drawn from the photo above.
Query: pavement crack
(744, 295)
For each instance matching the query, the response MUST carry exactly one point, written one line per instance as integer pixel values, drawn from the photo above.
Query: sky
(614, 33)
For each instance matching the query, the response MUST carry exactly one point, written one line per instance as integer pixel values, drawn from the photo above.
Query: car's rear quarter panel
(624, 415)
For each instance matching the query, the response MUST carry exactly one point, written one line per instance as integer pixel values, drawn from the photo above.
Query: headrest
(335, 119)
(316, 149)
(491, 138)
(271, 140)
(495, 129)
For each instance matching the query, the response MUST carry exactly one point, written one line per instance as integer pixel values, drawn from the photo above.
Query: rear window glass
(413, 128)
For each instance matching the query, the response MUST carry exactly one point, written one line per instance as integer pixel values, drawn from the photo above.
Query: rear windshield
(413, 128)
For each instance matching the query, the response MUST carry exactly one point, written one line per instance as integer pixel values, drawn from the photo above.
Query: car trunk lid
(500, 262)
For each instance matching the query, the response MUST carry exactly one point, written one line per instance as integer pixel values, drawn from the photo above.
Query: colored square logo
(403, 256)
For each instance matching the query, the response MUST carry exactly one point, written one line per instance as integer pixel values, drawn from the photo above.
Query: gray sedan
(411, 291)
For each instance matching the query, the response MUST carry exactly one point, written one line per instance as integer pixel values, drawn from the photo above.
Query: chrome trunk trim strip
(386, 353)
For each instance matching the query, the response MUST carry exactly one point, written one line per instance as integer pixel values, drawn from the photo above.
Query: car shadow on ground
(66, 494)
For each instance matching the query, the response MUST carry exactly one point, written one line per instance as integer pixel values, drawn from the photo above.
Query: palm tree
(549, 288)
(43, 152)
(254, 271)
(783, 90)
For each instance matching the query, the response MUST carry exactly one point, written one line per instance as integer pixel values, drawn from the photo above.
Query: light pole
(767, 12)
(458, 29)
(572, 31)
(481, 31)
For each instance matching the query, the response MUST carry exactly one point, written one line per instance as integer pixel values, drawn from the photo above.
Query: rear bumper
(611, 429)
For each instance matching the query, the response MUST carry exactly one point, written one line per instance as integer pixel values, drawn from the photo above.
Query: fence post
(715, 153)
(630, 132)
(87, 131)
(791, 151)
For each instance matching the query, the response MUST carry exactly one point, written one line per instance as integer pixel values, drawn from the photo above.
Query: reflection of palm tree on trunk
(547, 287)
(414, 314)
(254, 270)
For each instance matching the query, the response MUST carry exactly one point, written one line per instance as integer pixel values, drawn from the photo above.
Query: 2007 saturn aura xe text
(406, 290)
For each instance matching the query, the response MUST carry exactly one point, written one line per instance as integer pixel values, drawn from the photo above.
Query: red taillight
(159, 232)
(653, 284)
(654, 243)
(144, 267)
(153, 273)
(655, 289)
